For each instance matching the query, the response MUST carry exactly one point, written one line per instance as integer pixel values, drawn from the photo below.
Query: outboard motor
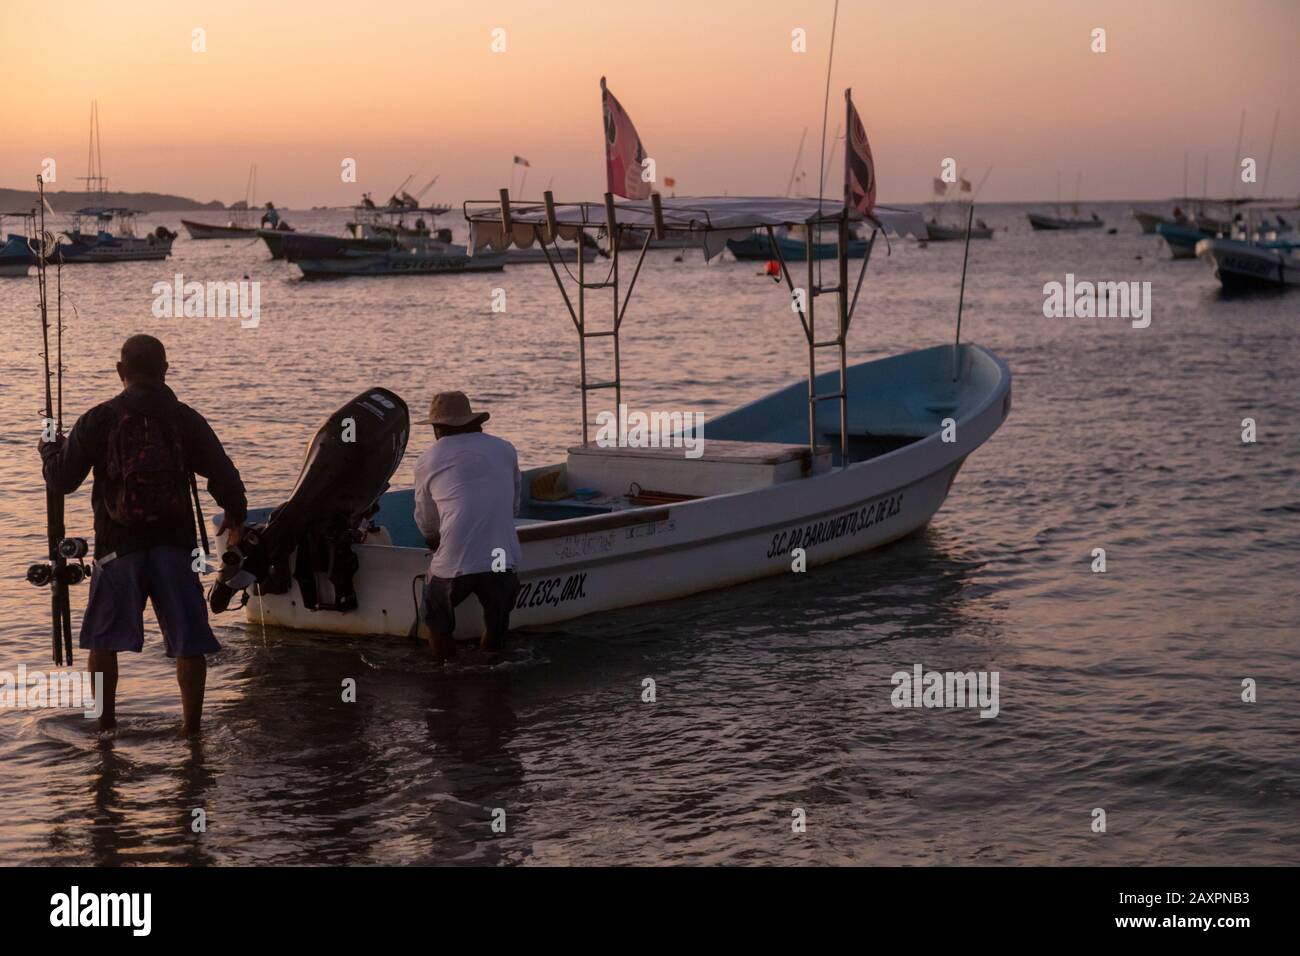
(347, 469)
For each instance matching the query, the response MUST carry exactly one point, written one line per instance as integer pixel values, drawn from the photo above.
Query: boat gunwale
(609, 520)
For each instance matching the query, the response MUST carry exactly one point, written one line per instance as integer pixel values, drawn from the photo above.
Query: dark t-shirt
(86, 449)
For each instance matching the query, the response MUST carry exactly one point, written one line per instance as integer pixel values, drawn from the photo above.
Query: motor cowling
(347, 468)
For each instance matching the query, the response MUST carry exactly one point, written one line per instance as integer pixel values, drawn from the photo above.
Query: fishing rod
(58, 573)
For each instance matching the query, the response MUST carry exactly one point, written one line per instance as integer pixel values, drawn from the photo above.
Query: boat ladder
(804, 303)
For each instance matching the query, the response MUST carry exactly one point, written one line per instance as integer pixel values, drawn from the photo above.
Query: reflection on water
(1119, 690)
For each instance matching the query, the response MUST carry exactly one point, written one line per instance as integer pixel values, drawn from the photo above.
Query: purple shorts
(114, 618)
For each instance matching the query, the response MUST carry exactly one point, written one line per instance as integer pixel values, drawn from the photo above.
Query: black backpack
(148, 483)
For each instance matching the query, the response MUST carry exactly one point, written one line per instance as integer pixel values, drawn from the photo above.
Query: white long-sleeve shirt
(467, 491)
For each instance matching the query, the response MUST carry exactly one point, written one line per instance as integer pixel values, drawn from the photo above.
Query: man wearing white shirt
(466, 499)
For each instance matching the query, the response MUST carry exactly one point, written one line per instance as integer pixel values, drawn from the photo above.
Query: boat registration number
(838, 526)
(552, 592)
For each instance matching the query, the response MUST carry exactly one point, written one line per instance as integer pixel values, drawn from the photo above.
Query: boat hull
(397, 262)
(1181, 240)
(535, 254)
(584, 565)
(1053, 224)
(115, 250)
(15, 257)
(274, 239)
(204, 230)
(940, 233)
(758, 247)
(1149, 220)
(1242, 266)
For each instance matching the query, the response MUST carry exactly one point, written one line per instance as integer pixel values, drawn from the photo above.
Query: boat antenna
(961, 296)
(427, 187)
(1268, 163)
(797, 156)
(826, 106)
(1236, 158)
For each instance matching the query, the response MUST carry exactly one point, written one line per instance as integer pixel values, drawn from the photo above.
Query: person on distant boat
(366, 201)
(466, 499)
(1180, 217)
(144, 447)
(271, 216)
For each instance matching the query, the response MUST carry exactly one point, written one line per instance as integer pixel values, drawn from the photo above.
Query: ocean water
(1119, 691)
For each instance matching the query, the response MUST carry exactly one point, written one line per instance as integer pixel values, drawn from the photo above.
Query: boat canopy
(714, 219)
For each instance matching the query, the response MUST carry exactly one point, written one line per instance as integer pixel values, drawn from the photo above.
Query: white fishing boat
(787, 482)
(848, 461)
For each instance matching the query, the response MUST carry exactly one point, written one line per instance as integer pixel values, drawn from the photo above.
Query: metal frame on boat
(775, 476)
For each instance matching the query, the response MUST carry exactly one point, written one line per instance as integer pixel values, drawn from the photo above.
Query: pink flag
(623, 151)
(859, 167)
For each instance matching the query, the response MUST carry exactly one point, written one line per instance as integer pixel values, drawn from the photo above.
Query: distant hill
(13, 200)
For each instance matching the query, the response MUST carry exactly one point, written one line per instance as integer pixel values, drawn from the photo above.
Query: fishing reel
(70, 550)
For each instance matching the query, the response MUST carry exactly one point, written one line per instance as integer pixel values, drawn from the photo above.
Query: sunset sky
(716, 92)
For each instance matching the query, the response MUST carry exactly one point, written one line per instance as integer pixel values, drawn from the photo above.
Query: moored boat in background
(1059, 223)
(16, 256)
(238, 226)
(107, 234)
(1262, 254)
(1056, 223)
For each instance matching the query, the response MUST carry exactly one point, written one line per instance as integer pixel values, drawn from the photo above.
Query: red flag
(623, 151)
(859, 167)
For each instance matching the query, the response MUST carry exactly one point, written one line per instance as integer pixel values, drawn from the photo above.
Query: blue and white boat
(1269, 259)
(16, 257)
(107, 234)
(813, 472)
(1181, 238)
(762, 247)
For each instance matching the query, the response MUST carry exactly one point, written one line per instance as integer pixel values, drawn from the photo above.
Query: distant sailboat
(102, 233)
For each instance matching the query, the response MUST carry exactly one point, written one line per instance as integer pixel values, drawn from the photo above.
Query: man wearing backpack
(145, 447)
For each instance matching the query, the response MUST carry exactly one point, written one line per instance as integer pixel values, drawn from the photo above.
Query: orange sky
(716, 93)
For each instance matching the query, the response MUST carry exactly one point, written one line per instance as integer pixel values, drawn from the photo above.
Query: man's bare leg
(192, 676)
(442, 645)
(105, 662)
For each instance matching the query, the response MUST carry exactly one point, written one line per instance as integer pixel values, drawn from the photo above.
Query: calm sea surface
(1119, 691)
